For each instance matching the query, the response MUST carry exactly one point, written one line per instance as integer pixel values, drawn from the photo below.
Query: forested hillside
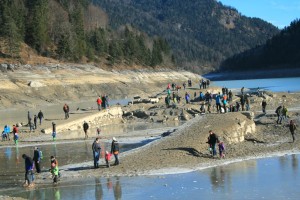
(194, 34)
(75, 30)
(201, 33)
(281, 51)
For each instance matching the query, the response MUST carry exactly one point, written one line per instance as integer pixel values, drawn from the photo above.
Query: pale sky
(278, 12)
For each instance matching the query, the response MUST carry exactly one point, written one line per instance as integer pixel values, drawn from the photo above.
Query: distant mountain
(280, 52)
(201, 33)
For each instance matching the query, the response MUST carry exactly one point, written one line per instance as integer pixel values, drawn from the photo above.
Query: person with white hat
(115, 150)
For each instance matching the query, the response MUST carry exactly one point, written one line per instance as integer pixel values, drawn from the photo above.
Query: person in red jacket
(99, 103)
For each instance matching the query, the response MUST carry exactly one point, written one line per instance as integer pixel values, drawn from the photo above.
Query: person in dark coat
(28, 171)
(40, 116)
(115, 150)
(212, 141)
(85, 129)
(37, 159)
(96, 152)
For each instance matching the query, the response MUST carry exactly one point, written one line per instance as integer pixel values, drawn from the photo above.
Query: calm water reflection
(270, 178)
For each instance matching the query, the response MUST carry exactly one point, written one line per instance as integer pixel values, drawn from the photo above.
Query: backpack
(41, 154)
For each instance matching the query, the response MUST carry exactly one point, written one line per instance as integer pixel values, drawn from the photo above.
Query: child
(107, 158)
(54, 169)
(222, 150)
(16, 137)
(4, 136)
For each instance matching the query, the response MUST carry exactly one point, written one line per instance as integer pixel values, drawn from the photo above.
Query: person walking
(96, 152)
(54, 169)
(29, 118)
(264, 105)
(278, 111)
(35, 121)
(15, 133)
(99, 103)
(40, 116)
(37, 159)
(212, 141)
(66, 110)
(85, 129)
(292, 127)
(29, 176)
(53, 131)
(115, 150)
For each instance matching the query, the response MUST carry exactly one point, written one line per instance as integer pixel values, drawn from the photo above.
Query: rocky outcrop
(237, 130)
(103, 117)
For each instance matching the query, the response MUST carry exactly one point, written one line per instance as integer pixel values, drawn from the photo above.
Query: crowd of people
(223, 103)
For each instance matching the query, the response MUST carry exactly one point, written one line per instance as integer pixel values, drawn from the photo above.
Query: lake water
(291, 84)
(270, 178)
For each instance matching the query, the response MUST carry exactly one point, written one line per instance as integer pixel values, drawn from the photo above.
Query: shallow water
(12, 163)
(269, 178)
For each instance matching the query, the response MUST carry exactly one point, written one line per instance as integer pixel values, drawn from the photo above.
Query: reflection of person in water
(8, 153)
(217, 178)
(109, 184)
(98, 189)
(118, 190)
(56, 193)
(295, 163)
(17, 155)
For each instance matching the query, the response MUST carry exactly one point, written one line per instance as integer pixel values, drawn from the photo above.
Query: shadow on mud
(191, 151)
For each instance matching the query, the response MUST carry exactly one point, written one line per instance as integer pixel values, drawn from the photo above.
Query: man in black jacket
(37, 159)
(212, 141)
(96, 152)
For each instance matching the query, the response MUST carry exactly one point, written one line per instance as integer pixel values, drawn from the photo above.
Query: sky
(278, 12)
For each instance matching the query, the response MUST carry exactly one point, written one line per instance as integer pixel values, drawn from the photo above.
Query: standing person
(218, 102)
(184, 85)
(35, 121)
(103, 98)
(242, 100)
(115, 150)
(99, 103)
(242, 90)
(187, 98)
(212, 141)
(29, 118)
(85, 129)
(66, 110)
(37, 159)
(54, 169)
(15, 132)
(40, 116)
(292, 127)
(264, 105)
(278, 111)
(30, 124)
(96, 152)
(230, 96)
(29, 177)
(53, 131)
